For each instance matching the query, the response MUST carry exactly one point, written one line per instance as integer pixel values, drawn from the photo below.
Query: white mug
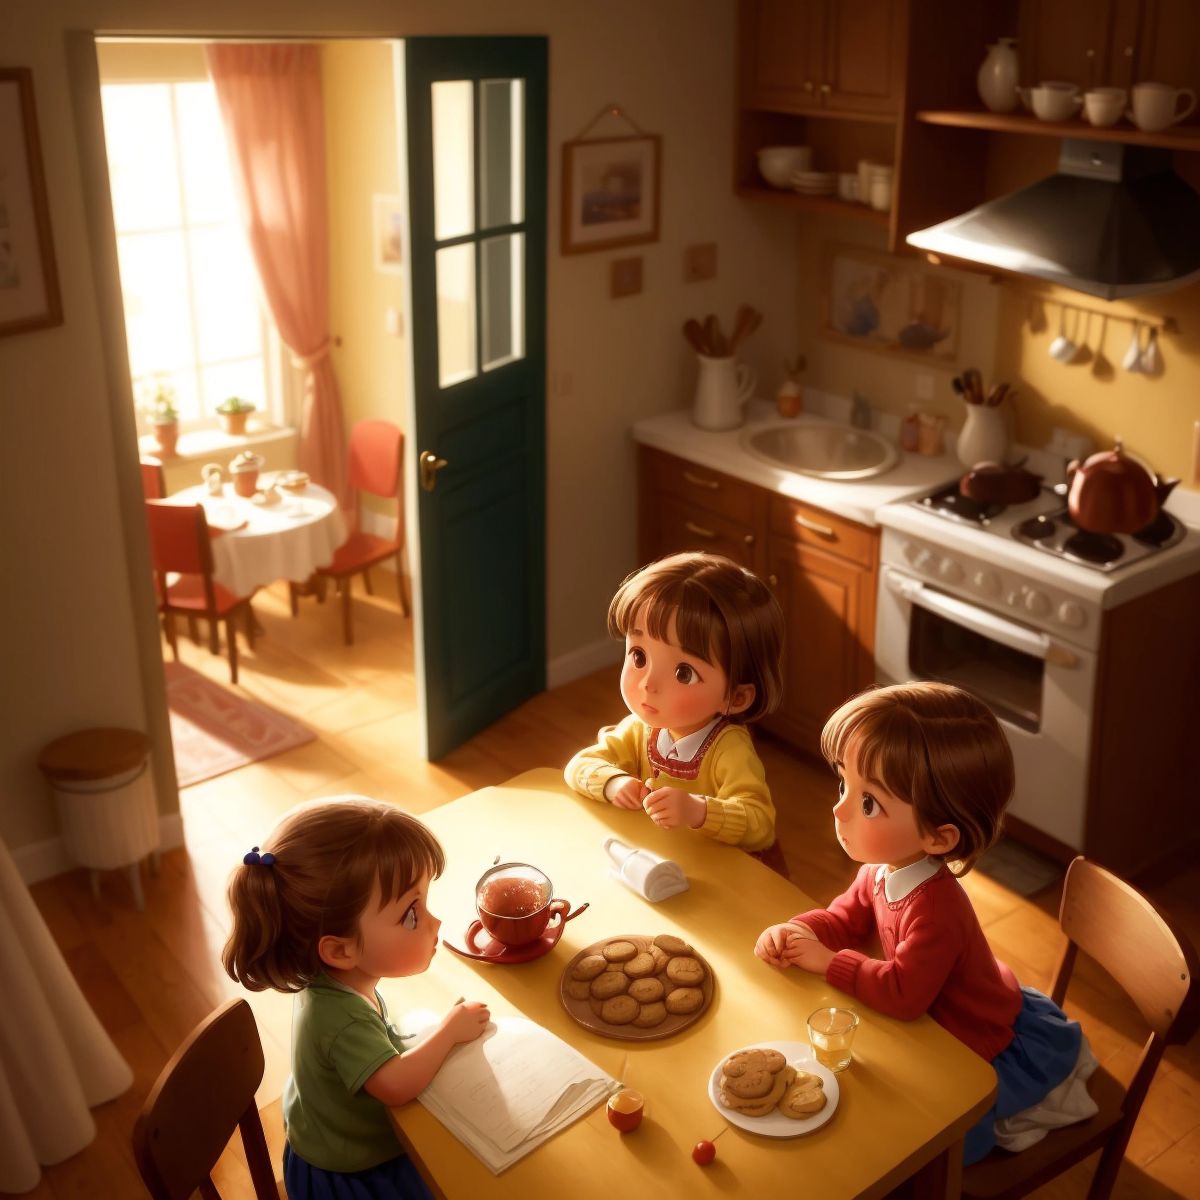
(1156, 106)
(1052, 100)
(1104, 106)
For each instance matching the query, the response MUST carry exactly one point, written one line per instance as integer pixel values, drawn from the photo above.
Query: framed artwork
(387, 226)
(891, 305)
(610, 192)
(29, 295)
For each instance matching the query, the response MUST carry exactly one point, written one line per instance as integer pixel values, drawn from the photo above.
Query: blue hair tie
(254, 859)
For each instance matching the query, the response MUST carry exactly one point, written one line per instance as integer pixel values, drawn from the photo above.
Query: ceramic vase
(998, 75)
(984, 436)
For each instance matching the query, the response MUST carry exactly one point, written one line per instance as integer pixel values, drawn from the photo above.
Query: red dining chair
(181, 552)
(375, 466)
(154, 479)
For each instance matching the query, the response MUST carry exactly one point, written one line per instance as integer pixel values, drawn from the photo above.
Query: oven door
(1040, 690)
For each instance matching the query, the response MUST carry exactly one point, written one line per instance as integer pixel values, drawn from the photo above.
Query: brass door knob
(430, 466)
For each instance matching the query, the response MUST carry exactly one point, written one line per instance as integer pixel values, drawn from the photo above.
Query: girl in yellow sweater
(703, 643)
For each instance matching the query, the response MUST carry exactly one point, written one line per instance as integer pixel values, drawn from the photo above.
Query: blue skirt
(396, 1179)
(1043, 1052)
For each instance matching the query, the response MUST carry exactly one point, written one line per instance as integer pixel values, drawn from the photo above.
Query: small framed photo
(29, 295)
(387, 225)
(610, 192)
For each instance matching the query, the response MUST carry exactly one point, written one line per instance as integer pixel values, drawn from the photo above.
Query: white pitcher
(984, 436)
(997, 76)
(722, 390)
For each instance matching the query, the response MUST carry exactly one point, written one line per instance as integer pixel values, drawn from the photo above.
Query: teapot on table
(244, 469)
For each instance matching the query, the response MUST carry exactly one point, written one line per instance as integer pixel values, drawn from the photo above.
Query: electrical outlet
(700, 262)
(1066, 444)
(923, 385)
(626, 277)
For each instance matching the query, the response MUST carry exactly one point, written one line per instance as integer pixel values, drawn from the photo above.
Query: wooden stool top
(94, 754)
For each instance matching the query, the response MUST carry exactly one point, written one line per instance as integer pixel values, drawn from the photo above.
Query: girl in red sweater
(924, 775)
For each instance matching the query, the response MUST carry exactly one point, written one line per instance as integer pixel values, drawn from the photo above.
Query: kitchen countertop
(857, 500)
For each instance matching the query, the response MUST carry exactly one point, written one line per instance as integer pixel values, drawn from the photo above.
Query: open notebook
(511, 1089)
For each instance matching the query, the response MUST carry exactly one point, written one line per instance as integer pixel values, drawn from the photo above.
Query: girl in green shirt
(333, 902)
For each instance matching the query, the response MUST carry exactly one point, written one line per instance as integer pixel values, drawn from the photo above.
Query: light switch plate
(700, 262)
(626, 279)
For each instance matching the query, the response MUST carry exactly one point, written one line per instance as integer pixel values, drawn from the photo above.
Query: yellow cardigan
(730, 777)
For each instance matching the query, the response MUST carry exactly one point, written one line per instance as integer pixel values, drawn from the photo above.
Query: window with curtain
(193, 315)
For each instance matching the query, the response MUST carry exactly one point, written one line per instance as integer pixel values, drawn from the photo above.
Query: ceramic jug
(984, 436)
(997, 77)
(722, 389)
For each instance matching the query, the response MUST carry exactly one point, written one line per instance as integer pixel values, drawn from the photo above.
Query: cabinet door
(863, 57)
(681, 527)
(1167, 48)
(785, 56)
(829, 609)
(1066, 40)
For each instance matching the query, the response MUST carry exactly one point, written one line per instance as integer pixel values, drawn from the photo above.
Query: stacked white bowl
(777, 164)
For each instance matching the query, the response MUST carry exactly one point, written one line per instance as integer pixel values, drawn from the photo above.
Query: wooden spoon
(694, 332)
(745, 323)
(714, 337)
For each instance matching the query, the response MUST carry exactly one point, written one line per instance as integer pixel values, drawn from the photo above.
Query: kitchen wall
(78, 645)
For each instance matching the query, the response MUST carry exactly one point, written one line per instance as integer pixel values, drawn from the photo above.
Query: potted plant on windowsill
(163, 416)
(233, 413)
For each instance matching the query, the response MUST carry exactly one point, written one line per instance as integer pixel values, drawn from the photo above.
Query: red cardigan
(936, 958)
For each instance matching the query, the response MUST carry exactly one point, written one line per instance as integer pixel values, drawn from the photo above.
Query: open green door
(476, 112)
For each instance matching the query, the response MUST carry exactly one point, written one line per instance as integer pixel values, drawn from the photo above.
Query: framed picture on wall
(610, 192)
(890, 305)
(387, 226)
(29, 295)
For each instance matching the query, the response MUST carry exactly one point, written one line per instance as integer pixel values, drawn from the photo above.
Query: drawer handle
(814, 527)
(699, 530)
(699, 481)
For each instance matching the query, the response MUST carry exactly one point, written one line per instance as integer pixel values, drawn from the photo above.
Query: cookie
(589, 967)
(650, 1015)
(609, 984)
(762, 1106)
(661, 958)
(619, 951)
(684, 1000)
(595, 1005)
(804, 1097)
(619, 968)
(752, 1060)
(750, 1085)
(672, 945)
(685, 971)
(620, 1010)
(578, 989)
(640, 965)
(647, 991)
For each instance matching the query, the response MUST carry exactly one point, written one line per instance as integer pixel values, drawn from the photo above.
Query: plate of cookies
(636, 987)
(774, 1088)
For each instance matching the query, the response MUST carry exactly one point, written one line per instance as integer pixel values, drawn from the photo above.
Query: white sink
(823, 450)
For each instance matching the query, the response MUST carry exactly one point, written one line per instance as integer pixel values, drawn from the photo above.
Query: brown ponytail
(328, 857)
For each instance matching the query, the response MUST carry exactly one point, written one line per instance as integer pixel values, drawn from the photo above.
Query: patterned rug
(213, 730)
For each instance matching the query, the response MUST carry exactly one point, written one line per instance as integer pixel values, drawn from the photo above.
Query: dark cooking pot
(1113, 492)
(994, 483)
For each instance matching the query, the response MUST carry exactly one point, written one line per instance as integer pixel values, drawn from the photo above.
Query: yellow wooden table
(907, 1099)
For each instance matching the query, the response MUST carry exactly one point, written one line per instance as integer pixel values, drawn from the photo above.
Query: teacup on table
(514, 903)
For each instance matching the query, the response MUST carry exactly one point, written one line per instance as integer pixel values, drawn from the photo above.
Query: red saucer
(497, 952)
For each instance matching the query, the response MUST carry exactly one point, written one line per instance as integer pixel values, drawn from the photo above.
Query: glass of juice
(831, 1033)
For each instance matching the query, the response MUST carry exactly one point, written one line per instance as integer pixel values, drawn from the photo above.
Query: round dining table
(255, 544)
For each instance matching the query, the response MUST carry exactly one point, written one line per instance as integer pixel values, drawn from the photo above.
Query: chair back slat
(154, 479)
(1120, 929)
(197, 1103)
(375, 455)
(179, 538)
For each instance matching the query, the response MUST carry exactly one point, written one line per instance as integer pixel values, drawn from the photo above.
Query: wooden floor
(151, 976)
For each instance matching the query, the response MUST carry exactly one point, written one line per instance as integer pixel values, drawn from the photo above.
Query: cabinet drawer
(816, 527)
(684, 527)
(700, 487)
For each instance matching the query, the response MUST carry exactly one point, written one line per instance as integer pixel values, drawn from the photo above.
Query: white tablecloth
(288, 540)
(56, 1061)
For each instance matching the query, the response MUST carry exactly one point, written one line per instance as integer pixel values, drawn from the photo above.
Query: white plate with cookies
(774, 1088)
(636, 987)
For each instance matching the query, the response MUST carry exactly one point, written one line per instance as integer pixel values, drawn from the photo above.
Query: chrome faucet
(860, 411)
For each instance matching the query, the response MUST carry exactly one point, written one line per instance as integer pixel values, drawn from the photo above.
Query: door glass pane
(502, 152)
(141, 156)
(503, 298)
(453, 159)
(456, 313)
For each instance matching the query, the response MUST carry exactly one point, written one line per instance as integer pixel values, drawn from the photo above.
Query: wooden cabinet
(864, 57)
(823, 568)
(783, 44)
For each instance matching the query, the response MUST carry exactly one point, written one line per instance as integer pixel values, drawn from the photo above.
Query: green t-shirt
(338, 1042)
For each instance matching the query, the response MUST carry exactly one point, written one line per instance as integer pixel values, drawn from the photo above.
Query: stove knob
(986, 581)
(1036, 602)
(951, 571)
(911, 550)
(1012, 597)
(925, 560)
(1069, 613)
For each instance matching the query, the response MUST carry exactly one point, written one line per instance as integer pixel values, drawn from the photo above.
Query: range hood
(1114, 221)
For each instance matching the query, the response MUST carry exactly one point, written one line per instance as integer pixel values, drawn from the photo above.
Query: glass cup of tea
(514, 903)
(831, 1033)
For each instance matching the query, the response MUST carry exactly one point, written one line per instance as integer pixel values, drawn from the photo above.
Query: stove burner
(952, 503)
(1160, 530)
(1036, 529)
(1094, 547)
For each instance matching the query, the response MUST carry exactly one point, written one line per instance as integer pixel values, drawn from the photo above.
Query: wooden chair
(181, 552)
(200, 1098)
(154, 478)
(1156, 967)
(375, 466)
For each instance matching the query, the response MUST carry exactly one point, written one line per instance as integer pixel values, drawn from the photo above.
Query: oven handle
(982, 622)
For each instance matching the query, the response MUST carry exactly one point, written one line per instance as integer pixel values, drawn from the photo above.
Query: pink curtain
(270, 98)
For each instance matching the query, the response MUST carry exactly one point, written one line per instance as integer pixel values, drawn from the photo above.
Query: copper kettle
(1113, 492)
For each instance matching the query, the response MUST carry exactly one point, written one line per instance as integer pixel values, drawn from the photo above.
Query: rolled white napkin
(653, 877)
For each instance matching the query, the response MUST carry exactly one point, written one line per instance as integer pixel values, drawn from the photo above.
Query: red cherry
(703, 1153)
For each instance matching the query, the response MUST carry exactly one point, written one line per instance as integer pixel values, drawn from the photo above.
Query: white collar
(898, 884)
(684, 749)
